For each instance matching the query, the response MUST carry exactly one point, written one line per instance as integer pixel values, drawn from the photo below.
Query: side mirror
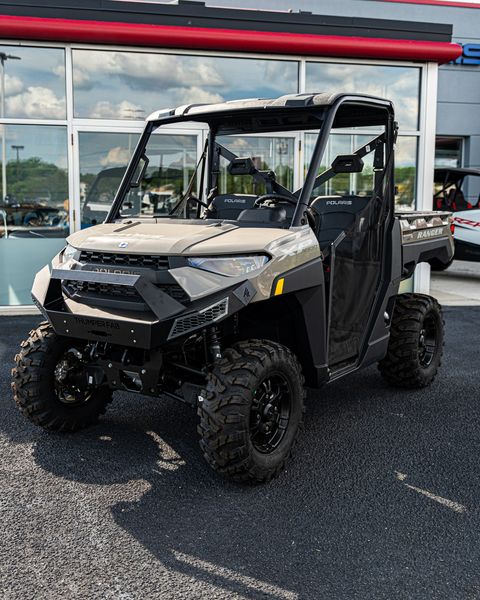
(347, 163)
(241, 166)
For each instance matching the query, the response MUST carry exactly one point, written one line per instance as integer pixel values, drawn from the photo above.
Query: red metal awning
(202, 38)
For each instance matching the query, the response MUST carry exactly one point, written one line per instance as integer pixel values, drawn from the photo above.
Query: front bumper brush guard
(110, 322)
(146, 330)
(159, 302)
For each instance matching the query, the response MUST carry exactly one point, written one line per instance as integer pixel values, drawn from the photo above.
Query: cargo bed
(425, 236)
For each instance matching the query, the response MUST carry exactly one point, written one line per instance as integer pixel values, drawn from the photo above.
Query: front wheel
(415, 347)
(252, 411)
(49, 383)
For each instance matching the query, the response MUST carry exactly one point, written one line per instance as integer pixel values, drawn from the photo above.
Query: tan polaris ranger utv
(234, 302)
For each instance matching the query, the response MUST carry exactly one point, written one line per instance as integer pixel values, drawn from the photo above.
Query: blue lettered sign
(470, 55)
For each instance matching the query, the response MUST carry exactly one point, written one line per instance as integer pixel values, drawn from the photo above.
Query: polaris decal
(234, 200)
(112, 270)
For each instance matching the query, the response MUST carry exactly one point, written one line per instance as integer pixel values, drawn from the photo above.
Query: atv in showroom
(236, 302)
(458, 191)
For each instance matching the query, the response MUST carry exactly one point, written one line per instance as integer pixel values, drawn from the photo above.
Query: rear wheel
(48, 383)
(416, 342)
(252, 411)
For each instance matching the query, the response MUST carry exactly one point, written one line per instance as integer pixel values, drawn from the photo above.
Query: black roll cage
(457, 182)
(326, 115)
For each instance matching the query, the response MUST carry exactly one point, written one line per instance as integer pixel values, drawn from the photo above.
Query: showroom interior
(73, 105)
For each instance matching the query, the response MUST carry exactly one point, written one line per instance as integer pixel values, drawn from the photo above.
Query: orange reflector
(279, 287)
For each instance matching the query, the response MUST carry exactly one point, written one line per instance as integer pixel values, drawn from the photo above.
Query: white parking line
(456, 506)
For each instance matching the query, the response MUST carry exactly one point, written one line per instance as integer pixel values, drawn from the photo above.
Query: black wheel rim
(68, 388)
(270, 413)
(427, 342)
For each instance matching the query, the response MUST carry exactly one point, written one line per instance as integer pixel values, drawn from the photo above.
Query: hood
(174, 238)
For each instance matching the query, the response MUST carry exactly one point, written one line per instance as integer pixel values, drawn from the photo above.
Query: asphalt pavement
(381, 501)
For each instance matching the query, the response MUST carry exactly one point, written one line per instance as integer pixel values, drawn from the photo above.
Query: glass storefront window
(406, 172)
(34, 181)
(362, 183)
(343, 184)
(104, 157)
(275, 154)
(131, 85)
(448, 152)
(34, 205)
(33, 82)
(399, 84)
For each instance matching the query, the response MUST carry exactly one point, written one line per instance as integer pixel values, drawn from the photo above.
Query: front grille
(100, 289)
(146, 261)
(175, 292)
(116, 291)
(208, 315)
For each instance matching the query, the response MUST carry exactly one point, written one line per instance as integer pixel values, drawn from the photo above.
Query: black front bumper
(161, 320)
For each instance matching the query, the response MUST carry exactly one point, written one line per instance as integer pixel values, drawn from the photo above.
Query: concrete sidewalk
(459, 285)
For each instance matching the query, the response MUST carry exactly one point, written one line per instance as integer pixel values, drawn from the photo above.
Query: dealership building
(78, 81)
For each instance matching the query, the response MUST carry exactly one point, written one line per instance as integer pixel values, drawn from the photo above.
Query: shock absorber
(214, 342)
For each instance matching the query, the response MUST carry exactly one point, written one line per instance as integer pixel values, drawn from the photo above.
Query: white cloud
(81, 78)
(197, 95)
(116, 157)
(36, 102)
(13, 85)
(239, 144)
(397, 84)
(145, 71)
(104, 109)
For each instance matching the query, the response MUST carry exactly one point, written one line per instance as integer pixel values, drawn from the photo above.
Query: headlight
(68, 253)
(231, 266)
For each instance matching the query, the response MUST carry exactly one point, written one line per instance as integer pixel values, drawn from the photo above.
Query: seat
(229, 206)
(456, 200)
(335, 214)
(271, 214)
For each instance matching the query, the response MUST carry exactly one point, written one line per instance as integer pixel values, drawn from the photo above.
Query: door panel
(348, 209)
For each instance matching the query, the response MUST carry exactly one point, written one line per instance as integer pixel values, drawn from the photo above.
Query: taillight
(452, 225)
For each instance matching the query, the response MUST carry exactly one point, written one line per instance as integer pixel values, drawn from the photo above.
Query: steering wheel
(277, 197)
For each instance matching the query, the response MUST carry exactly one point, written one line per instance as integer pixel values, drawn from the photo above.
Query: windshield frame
(326, 119)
